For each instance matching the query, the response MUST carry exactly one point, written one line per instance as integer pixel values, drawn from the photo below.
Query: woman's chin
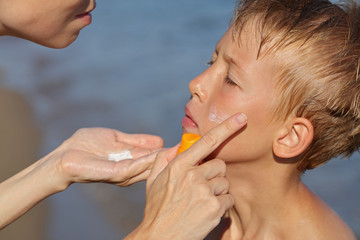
(56, 42)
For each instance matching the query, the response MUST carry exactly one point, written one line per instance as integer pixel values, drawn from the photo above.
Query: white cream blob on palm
(126, 154)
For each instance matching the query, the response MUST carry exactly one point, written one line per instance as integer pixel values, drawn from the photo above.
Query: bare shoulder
(320, 222)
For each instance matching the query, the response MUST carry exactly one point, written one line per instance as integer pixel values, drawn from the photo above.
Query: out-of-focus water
(129, 70)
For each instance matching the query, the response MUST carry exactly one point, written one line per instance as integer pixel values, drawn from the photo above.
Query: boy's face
(235, 82)
(53, 23)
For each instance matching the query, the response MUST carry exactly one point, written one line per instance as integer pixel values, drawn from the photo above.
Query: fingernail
(241, 118)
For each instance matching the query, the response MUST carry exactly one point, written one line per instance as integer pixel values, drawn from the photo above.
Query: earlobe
(294, 138)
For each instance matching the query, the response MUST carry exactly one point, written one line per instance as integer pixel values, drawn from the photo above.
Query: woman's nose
(199, 87)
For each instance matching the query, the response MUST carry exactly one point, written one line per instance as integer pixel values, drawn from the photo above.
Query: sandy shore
(19, 147)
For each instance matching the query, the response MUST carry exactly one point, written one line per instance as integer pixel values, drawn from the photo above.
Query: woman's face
(52, 23)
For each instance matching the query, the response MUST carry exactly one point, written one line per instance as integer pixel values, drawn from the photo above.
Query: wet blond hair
(317, 45)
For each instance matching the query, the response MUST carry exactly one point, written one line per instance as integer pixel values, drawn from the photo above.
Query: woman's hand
(84, 157)
(185, 200)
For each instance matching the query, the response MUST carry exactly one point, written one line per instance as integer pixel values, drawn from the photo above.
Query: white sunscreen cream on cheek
(216, 115)
(126, 154)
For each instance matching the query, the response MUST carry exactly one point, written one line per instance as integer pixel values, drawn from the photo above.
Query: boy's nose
(198, 87)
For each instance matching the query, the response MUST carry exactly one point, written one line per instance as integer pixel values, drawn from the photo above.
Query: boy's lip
(188, 120)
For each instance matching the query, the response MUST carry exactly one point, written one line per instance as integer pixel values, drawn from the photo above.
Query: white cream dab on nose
(217, 116)
(120, 156)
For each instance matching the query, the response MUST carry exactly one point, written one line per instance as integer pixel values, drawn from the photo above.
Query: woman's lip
(87, 12)
(83, 15)
(86, 18)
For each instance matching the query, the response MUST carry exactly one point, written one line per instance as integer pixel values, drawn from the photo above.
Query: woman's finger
(140, 152)
(130, 169)
(162, 160)
(139, 140)
(213, 168)
(226, 202)
(138, 178)
(213, 138)
(219, 185)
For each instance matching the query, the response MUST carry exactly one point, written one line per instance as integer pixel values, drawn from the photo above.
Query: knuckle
(209, 139)
(141, 141)
(228, 126)
(174, 166)
(226, 185)
(220, 164)
(174, 170)
(215, 204)
(204, 191)
(147, 152)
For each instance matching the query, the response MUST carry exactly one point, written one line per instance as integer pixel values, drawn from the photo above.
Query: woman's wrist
(51, 170)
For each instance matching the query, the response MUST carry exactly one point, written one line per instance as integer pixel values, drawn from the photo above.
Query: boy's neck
(261, 192)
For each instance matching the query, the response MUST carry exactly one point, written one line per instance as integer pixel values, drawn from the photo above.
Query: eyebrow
(232, 60)
(229, 59)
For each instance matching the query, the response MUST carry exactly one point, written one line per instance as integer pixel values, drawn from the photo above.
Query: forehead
(258, 75)
(240, 50)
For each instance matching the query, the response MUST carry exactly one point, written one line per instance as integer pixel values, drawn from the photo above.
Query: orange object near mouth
(187, 140)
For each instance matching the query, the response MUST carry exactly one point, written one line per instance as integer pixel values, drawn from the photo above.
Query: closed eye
(227, 79)
(230, 82)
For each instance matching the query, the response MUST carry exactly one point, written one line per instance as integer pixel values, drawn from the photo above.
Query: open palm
(84, 157)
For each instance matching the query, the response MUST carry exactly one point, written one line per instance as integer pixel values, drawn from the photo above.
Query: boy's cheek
(231, 151)
(217, 115)
(246, 145)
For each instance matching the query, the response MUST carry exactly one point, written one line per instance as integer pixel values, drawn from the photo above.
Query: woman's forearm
(27, 188)
(84, 157)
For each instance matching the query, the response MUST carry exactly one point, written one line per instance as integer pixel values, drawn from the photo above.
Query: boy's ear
(294, 138)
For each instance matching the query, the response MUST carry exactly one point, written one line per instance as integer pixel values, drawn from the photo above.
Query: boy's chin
(191, 131)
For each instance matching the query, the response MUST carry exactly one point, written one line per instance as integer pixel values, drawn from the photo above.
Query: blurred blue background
(129, 70)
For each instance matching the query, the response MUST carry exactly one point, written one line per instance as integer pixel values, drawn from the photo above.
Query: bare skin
(289, 211)
(53, 24)
(194, 198)
(84, 156)
(278, 210)
(271, 202)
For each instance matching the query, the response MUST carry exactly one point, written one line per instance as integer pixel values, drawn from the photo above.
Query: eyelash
(209, 63)
(230, 82)
(227, 80)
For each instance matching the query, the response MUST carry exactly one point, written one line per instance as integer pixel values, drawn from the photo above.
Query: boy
(293, 68)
